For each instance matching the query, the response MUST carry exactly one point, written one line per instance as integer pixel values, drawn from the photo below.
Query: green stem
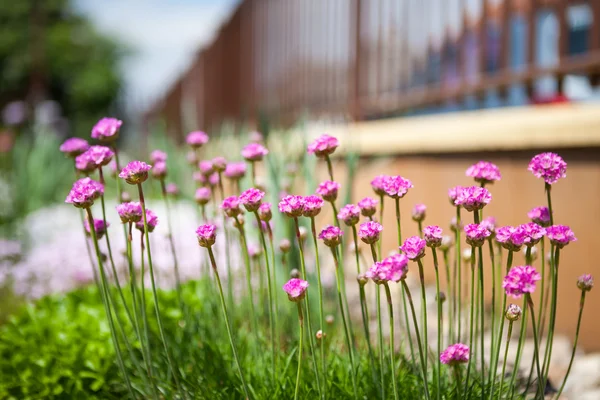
(472, 318)
(381, 202)
(508, 335)
(522, 334)
(379, 330)
(457, 306)
(275, 296)
(321, 311)
(451, 295)
(541, 312)
(227, 253)
(439, 318)
(300, 320)
(249, 280)
(476, 219)
(388, 295)
(329, 168)
(536, 344)
(424, 309)
(493, 312)
(554, 263)
(172, 244)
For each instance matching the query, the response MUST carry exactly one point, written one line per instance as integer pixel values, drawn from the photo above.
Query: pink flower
(84, 192)
(520, 280)
(295, 289)
(256, 137)
(391, 269)
(396, 186)
(453, 194)
(206, 167)
(549, 166)
(191, 157)
(476, 234)
(107, 129)
(158, 155)
(369, 231)
(172, 189)
(378, 184)
(254, 251)
(433, 235)
(414, 248)
(328, 190)
(489, 223)
(484, 172)
(292, 206)
(99, 227)
(206, 234)
(100, 155)
(511, 237)
(254, 152)
(418, 212)
(135, 172)
(455, 354)
(213, 179)
(560, 235)
(323, 146)
(533, 233)
(251, 199)
(312, 206)
(235, 170)
(231, 206)
(331, 235)
(264, 212)
(456, 225)
(219, 164)
(203, 195)
(84, 163)
(472, 198)
(196, 139)
(151, 221)
(350, 214)
(74, 146)
(585, 282)
(130, 211)
(159, 170)
(540, 215)
(368, 206)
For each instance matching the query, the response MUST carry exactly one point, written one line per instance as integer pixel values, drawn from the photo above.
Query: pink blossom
(391, 269)
(213, 179)
(172, 189)
(99, 155)
(456, 225)
(455, 354)
(396, 186)
(414, 248)
(312, 206)
(151, 221)
(206, 234)
(203, 195)
(191, 157)
(323, 146)
(135, 172)
(472, 198)
(74, 146)
(433, 235)
(107, 129)
(585, 282)
(350, 214)
(196, 139)
(251, 199)
(219, 164)
(158, 155)
(369, 231)
(378, 184)
(511, 237)
(99, 227)
(549, 166)
(256, 137)
(292, 206)
(368, 206)
(418, 212)
(254, 152)
(453, 194)
(533, 233)
(231, 206)
(264, 212)
(235, 170)
(484, 172)
(254, 251)
(520, 280)
(159, 170)
(130, 211)
(476, 234)
(540, 215)
(489, 223)
(295, 289)
(84, 192)
(331, 235)
(84, 163)
(206, 167)
(328, 190)
(560, 235)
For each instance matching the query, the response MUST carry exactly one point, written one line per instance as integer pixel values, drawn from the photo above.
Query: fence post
(355, 68)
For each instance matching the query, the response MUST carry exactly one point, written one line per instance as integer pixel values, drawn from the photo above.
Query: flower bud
(303, 232)
(125, 197)
(329, 319)
(442, 297)
(295, 273)
(585, 282)
(320, 334)
(362, 279)
(285, 245)
(513, 312)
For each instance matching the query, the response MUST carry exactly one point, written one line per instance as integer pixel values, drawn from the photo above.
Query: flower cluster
(196, 139)
(251, 199)
(585, 282)
(455, 354)
(130, 212)
(548, 166)
(484, 172)
(159, 170)
(369, 231)
(135, 172)
(84, 192)
(476, 234)
(264, 212)
(331, 235)
(378, 184)
(312, 206)
(540, 215)
(158, 155)
(391, 269)
(368, 206)
(560, 235)
(151, 221)
(511, 237)
(99, 227)
(292, 206)
(74, 146)
(533, 233)
(328, 190)
(350, 214)
(254, 152)
(107, 129)
(513, 312)
(203, 195)
(520, 280)
(296, 289)
(231, 206)
(472, 198)
(418, 212)
(433, 235)
(207, 234)
(323, 146)
(396, 186)
(414, 248)
(235, 170)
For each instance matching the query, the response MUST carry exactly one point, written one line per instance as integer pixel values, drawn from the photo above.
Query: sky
(163, 36)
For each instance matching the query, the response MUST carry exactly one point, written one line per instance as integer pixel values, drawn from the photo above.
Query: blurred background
(421, 88)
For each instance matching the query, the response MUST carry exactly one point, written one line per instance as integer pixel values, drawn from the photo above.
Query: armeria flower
(549, 166)
(513, 312)
(533, 233)
(130, 211)
(158, 155)
(453, 194)
(107, 129)
(191, 157)
(296, 289)
(350, 214)
(213, 179)
(74, 146)
(455, 354)
(328, 190)
(312, 206)
(254, 152)
(396, 186)
(369, 231)
(203, 195)
(511, 237)
(206, 167)
(135, 172)
(446, 243)
(100, 155)
(84, 163)
(159, 170)
(292, 206)
(484, 172)
(196, 139)
(231, 206)
(331, 235)
(219, 164)
(285, 245)
(368, 206)
(255, 137)
(254, 251)
(84, 192)
(235, 170)
(489, 223)
(207, 234)
(323, 146)
(151, 221)
(476, 234)
(264, 212)
(418, 212)
(172, 189)
(99, 227)
(585, 282)
(540, 215)
(560, 235)
(391, 269)
(472, 198)
(456, 225)
(414, 248)
(433, 235)
(251, 199)
(378, 184)
(520, 280)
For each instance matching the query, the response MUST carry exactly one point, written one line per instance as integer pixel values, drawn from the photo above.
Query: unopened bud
(320, 334)
(513, 312)
(329, 319)
(442, 297)
(295, 273)
(285, 245)
(362, 279)
(303, 232)
(466, 255)
(125, 197)
(446, 243)
(585, 282)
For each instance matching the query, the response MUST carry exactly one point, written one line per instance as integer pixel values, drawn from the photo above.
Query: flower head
(207, 234)
(433, 235)
(255, 137)
(84, 163)
(196, 139)
(396, 186)
(533, 233)
(418, 212)
(151, 221)
(235, 170)
(560, 235)
(548, 166)
(100, 155)
(350, 214)
(585, 282)
(472, 198)
(130, 211)
(74, 146)
(369, 231)
(158, 155)
(84, 192)
(231, 206)
(378, 184)
(453, 194)
(456, 225)
(135, 172)
(484, 172)
(312, 206)
(264, 212)
(107, 129)
(191, 157)
(540, 215)
(513, 312)
(391, 269)
(203, 195)
(206, 167)
(292, 206)
(476, 234)
(295, 289)
(99, 227)
(254, 152)
(520, 280)
(323, 146)
(414, 248)
(159, 170)
(219, 164)
(285, 245)
(172, 189)
(511, 237)
(251, 199)
(331, 235)
(328, 190)
(455, 354)
(254, 251)
(368, 206)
